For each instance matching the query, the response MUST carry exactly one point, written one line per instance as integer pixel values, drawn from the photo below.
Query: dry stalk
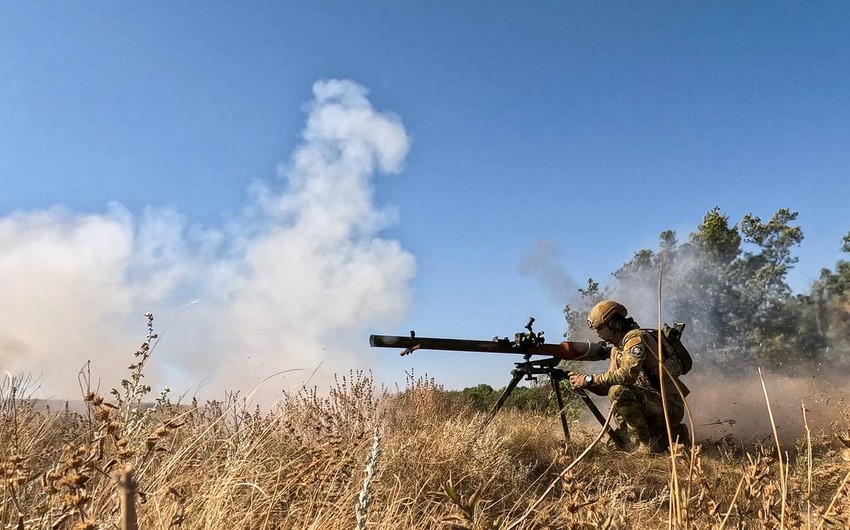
(782, 482)
(834, 498)
(732, 504)
(809, 469)
(675, 494)
(566, 470)
(127, 497)
(694, 449)
(692, 428)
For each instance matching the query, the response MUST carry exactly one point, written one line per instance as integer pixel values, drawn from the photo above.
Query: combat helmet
(604, 311)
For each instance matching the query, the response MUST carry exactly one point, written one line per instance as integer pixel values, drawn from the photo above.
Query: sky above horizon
(275, 181)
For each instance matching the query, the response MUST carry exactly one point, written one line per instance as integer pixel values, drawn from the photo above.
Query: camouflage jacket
(634, 362)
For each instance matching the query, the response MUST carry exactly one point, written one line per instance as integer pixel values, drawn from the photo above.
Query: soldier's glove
(580, 380)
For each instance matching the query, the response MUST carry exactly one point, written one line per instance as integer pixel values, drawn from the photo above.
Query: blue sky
(593, 127)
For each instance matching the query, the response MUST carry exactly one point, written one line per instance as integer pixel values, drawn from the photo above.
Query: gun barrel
(566, 350)
(428, 343)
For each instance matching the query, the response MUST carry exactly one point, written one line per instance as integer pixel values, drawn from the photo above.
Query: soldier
(632, 379)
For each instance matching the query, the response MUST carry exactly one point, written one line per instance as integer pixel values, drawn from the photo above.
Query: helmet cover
(603, 312)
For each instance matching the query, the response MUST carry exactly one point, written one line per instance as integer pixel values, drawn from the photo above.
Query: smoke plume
(288, 284)
(541, 262)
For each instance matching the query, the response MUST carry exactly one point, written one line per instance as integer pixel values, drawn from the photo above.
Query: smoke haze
(726, 393)
(728, 399)
(723, 405)
(289, 284)
(541, 262)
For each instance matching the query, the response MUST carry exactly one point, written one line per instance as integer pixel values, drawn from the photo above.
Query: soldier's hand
(577, 380)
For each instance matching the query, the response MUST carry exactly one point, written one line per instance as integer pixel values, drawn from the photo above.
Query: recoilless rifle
(528, 344)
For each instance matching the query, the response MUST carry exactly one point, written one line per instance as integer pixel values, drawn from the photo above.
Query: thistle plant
(129, 400)
(363, 500)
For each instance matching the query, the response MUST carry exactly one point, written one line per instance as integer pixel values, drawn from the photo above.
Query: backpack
(675, 356)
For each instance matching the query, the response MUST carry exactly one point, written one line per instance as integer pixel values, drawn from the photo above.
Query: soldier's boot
(639, 440)
(631, 446)
(645, 447)
(641, 435)
(621, 433)
(632, 418)
(622, 439)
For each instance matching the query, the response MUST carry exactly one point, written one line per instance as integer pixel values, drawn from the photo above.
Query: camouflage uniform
(632, 380)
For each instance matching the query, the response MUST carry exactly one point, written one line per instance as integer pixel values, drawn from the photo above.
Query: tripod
(529, 369)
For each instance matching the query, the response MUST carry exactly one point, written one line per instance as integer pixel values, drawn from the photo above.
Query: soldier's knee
(614, 392)
(621, 393)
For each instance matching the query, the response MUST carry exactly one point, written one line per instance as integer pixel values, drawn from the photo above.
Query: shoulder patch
(637, 351)
(632, 342)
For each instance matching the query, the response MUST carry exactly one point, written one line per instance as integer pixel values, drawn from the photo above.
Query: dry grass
(223, 466)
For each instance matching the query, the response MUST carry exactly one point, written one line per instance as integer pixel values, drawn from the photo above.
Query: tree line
(728, 283)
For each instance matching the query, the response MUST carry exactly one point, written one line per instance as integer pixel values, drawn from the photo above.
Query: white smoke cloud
(289, 284)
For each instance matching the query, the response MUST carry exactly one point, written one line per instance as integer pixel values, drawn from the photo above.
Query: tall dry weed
(227, 464)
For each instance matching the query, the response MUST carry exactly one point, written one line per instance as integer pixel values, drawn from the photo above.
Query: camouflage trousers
(640, 414)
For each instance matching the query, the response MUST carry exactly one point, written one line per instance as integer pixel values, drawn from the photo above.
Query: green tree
(642, 265)
(480, 397)
(715, 240)
(832, 284)
(767, 270)
(537, 396)
(772, 319)
(576, 317)
(735, 301)
(706, 287)
(831, 296)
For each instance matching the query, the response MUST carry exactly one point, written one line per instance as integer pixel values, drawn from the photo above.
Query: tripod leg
(505, 394)
(600, 418)
(556, 386)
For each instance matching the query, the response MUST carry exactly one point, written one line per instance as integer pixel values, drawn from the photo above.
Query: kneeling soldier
(632, 379)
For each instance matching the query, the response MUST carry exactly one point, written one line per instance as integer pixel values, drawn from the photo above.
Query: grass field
(363, 457)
